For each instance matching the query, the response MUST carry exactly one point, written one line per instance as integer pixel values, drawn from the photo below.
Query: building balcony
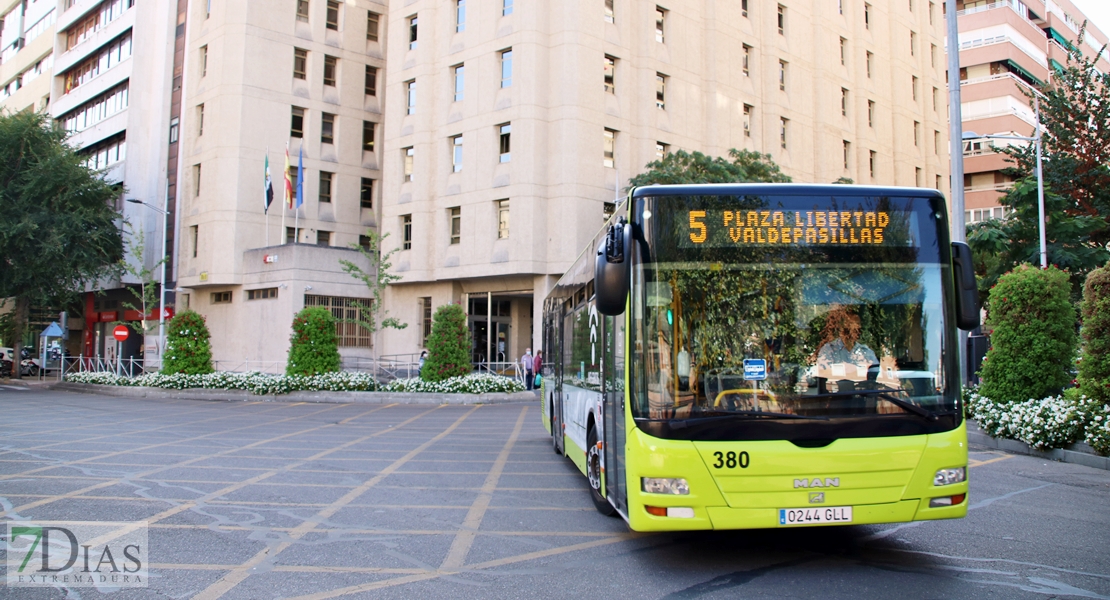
(1002, 49)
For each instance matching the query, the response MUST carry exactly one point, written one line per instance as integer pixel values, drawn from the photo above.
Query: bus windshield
(761, 308)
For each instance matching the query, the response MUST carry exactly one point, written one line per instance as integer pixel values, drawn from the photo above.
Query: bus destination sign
(717, 228)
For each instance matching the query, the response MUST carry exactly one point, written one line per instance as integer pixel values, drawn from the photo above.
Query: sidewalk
(1079, 453)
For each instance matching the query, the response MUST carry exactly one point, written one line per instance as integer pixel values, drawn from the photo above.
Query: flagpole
(285, 194)
(265, 202)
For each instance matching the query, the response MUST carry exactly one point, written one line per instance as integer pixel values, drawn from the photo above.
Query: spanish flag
(288, 180)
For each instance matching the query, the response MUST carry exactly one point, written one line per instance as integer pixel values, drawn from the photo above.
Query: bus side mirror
(613, 269)
(967, 292)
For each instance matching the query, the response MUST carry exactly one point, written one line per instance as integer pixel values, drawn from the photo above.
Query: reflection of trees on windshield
(827, 321)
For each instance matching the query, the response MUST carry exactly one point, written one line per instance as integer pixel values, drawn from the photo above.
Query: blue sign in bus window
(755, 369)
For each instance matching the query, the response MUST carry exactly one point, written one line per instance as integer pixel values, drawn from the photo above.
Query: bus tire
(593, 474)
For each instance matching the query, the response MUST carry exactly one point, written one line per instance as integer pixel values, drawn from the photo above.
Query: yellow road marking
(979, 463)
(230, 580)
(456, 556)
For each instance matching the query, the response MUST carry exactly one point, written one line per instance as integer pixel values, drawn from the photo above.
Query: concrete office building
(513, 127)
(1007, 47)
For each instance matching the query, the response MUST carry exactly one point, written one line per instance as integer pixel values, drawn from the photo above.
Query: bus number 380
(731, 460)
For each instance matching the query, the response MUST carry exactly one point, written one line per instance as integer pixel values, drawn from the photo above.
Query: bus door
(556, 359)
(613, 399)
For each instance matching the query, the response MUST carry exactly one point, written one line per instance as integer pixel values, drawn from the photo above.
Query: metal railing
(129, 367)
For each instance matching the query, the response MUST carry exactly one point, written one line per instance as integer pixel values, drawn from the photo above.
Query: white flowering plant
(1046, 423)
(263, 383)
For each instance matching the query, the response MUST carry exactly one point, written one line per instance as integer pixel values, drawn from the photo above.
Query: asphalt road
(268, 500)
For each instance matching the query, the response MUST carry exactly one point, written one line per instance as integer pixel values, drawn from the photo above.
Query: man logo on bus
(817, 482)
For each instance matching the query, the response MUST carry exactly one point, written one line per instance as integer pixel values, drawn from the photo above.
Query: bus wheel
(593, 474)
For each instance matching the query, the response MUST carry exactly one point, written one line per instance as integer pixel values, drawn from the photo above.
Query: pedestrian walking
(537, 369)
(423, 357)
(526, 367)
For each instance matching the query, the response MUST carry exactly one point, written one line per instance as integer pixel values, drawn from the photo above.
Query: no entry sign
(120, 333)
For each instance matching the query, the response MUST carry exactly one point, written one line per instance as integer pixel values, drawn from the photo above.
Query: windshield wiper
(885, 395)
(728, 414)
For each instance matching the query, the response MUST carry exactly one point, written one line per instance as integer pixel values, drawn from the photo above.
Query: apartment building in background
(1007, 48)
(514, 127)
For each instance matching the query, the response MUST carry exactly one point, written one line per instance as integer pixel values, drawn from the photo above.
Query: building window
(200, 119)
(933, 55)
(302, 10)
(914, 90)
(661, 150)
(412, 32)
(407, 155)
(746, 60)
(870, 58)
(936, 98)
(748, 120)
(460, 16)
(351, 326)
(866, 16)
(196, 180)
(323, 238)
(782, 20)
(843, 51)
(870, 113)
(194, 233)
(332, 20)
(744, 8)
(366, 193)
(221, 297)
(913, 44)
(460, 84)
(410, 95)
(426, 319)
(296, 128)
(204, 60)
(292, 235)
(871, 163)
(840, 6)
(931, 8)
(456, 153)
(936, 142)
(330, 64)
(783, 124)
(371, 82)
(609, 148)
(502, 219)
(844, 102)
(610, 74)
(294, 178)
(325, 186)
(660, 21)
(327, 128)
(938, 182)
(782, 75)
(505, 145)
(506, 68)
(406, 232)
(917, 178)
(847, 153)
(660, 90)
(372, 21)
(506, 8)
(300, 63)
(262, 294)
(174, 126)
(368, 128)
(610, 16)
(455, 218)
(916, 133)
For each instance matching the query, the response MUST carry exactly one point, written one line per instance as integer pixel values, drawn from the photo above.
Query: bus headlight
(950, 476)
(660, 485)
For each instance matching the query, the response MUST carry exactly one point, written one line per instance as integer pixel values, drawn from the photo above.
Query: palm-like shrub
(448, 345)
(1094, 365)
(188, 349)
(313, 346)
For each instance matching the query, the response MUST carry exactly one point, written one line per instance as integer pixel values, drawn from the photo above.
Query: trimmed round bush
(1033, 343)
(314, 345)
(188, 349)
(448, 345)
(1094, 362)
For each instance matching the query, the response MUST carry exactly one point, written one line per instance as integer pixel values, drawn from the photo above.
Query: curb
(1079, 453)
(323, 397)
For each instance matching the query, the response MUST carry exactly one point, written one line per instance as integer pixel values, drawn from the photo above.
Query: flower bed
(1044, 424)
(263, 384)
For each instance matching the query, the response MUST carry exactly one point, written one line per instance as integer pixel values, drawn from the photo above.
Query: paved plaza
(295, 500)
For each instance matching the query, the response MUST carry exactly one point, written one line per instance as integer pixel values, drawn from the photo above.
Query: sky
(1097, 11)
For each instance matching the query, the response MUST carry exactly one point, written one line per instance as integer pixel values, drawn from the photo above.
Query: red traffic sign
(120, 333)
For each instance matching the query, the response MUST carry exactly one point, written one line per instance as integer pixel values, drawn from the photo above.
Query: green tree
(686, 167)
(374, 316)
(314, 345)
(58, 230)
(1033, 343)
(146, 293)
(1001, 244)
(448, 345)
(1094, 366)
(188, 345)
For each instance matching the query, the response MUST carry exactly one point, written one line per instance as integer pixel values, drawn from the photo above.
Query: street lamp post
(1036, 139)
(162, 282)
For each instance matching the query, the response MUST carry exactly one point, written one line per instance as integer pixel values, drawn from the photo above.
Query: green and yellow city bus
(756, 356)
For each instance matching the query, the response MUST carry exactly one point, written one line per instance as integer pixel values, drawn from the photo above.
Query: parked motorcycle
(30, 367)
